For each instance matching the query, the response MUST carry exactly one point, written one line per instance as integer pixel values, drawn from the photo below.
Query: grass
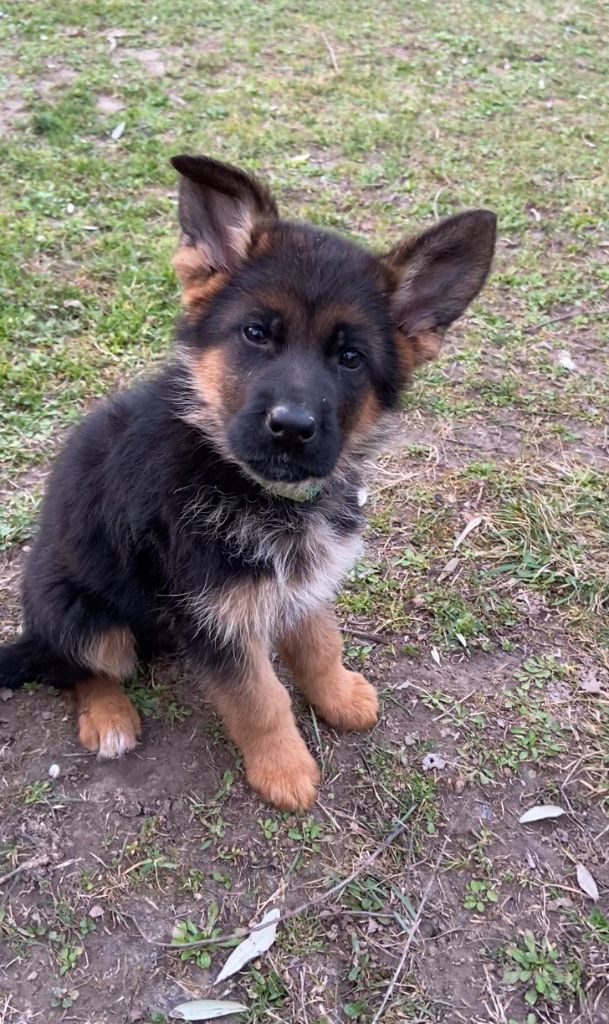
(373, 120)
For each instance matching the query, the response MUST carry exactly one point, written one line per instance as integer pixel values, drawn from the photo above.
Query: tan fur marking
(200, 293)
(313, 654)
(112, 653)
(257, 715)
(240, 232)
(107, 721)
(199, 283)
(209, 375)
(365, 420)
(369, 413)
(191, 262)
(426, 347)
(414, 352)
(261, 243)
(338, 313)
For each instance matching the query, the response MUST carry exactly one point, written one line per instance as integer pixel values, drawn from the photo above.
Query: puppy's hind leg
(107, 720)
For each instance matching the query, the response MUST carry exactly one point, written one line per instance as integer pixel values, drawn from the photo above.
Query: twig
(322, 898)
(361, 634)
(594, 313)
(35, 862)
(411, 934)
(330, 51)
(434, 204)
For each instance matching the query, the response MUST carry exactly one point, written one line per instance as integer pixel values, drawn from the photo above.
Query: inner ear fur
(433, 277)
(223, 212)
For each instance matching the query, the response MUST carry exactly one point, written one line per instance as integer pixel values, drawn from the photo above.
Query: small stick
(330, 51)
(377, 638)
(35, 862)
(568, 316)
(322, 898)
(411, 934)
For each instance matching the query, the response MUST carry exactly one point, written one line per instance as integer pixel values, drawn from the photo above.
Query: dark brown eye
(256, 334)
(350, 359)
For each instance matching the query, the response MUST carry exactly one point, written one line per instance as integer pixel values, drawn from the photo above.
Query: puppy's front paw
(110, 725)
(350, 704)
(284, 774)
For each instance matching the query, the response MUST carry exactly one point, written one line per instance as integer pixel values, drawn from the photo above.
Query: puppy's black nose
(291, 423)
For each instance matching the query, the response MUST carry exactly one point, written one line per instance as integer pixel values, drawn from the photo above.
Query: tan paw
(351, 705)
(109, 725)
(284, 774)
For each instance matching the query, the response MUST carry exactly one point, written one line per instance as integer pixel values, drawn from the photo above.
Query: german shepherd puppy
(213, 510)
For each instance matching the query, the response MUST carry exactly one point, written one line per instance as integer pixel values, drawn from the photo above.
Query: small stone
(32, 976)
(96, 911)
(54, 771)
(6, 694)
(433, 761)
(459, 784)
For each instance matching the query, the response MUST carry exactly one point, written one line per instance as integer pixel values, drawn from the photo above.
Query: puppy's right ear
(223, 212)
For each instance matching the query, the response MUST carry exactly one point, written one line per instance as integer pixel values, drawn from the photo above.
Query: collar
(302, 490)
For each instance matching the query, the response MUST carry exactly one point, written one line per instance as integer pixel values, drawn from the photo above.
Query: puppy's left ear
(433, 278)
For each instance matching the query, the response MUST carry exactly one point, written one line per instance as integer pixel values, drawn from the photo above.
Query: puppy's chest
(290, 571)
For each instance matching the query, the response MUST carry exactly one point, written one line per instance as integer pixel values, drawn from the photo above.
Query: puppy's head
(297, 341)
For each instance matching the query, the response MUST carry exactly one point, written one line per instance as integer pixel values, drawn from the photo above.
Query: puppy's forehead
(301, 268)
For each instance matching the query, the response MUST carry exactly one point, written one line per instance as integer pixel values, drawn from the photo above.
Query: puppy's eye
(256, 334)
(350, 359)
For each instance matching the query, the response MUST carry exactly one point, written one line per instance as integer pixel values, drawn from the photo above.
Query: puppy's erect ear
(434, 277)
(222, 211)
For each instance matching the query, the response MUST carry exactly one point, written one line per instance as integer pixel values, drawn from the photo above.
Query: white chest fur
(304, 572)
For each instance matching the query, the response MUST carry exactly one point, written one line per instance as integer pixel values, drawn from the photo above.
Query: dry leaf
(586, 882)
(472, 525)
(257, 942)
(591, 683)
(435, 655)
(565, 359)
(206, 1009)
(540, 812)
(449, 568)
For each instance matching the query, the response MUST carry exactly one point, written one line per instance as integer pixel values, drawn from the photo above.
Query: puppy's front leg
(312, 652)
(256, 711)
